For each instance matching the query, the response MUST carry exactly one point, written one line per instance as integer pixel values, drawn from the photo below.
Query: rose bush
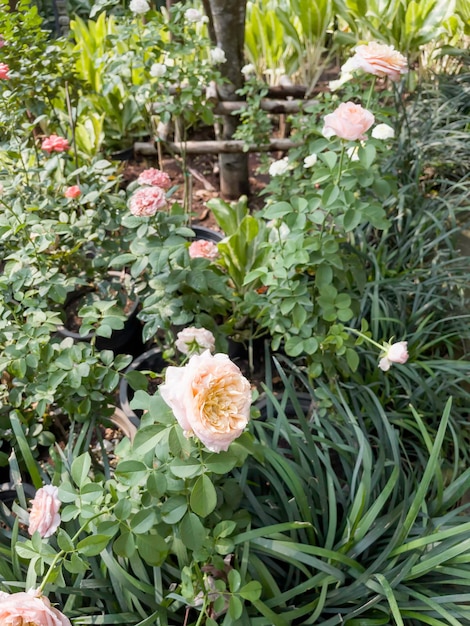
(210, 398)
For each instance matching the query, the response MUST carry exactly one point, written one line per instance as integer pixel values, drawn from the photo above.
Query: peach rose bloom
(192, 339)
(26, 609)
(147, 201)
(73, 192)
(394, 353)
(204, 249)
(377, 59)
(210, 399)
(349, 121)
(54, 143)
(154, 178)
(44, 516)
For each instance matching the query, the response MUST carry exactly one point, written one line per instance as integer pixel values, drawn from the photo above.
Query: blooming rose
(158, 70)
(4, 69)
(54, 143)
(193, 15)
(191, 339)
(27, 609)
(377, 59)
(310, 160)
(349, 121)
(147, 201)
(217, 55)
(353, 153)
(277, 168)
(154, 178)
(248, 70)
(339, 82)
(204, 249)
(383, 131)
(210, 399)
(139, 6)
(72, 192)
(44, 516)
(394, 353)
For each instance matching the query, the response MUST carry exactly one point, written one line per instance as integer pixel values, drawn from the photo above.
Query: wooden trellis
(281, 100)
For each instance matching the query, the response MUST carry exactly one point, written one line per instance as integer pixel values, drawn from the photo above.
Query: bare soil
(204, 180)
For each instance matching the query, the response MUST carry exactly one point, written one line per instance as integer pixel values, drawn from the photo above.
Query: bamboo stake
(216, 147)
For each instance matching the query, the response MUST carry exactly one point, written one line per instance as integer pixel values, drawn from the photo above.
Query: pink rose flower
(44, 516)
(349, 121)
(203, 248)
(377, 59)
(394, 353)
(26, 609)
(154, 178)
(73, 192)
(210, 399)
(4, 69)
(54, 143)
(191, 340)
(147, 201)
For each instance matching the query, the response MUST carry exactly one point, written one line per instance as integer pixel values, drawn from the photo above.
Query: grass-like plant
(344, 530)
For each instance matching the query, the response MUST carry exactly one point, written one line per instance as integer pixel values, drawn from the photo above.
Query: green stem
(371, 91)
(341, 159)
(62, 553)
(359, 334)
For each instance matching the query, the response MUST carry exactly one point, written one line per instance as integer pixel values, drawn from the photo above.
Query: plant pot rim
(76, 336)
(124, 401)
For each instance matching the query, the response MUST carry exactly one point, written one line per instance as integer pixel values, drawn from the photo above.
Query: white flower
(217, 55)
(383, 131)
(277, 168)
(353, 153)
(192, 15)
(139, 6)
(278, 231)
(158, 70)
(310, 160)
(247, 70)
(337, 84)
(350, 66)
(1, 189)
(193, 340)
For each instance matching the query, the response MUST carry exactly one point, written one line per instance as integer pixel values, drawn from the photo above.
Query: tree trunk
(227, 31)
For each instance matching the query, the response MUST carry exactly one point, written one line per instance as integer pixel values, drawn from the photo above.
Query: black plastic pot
(128, 340)
(151, 360)
(8, 494)
(202, 232)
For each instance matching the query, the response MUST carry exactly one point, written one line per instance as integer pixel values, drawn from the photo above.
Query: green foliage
(406, 24)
